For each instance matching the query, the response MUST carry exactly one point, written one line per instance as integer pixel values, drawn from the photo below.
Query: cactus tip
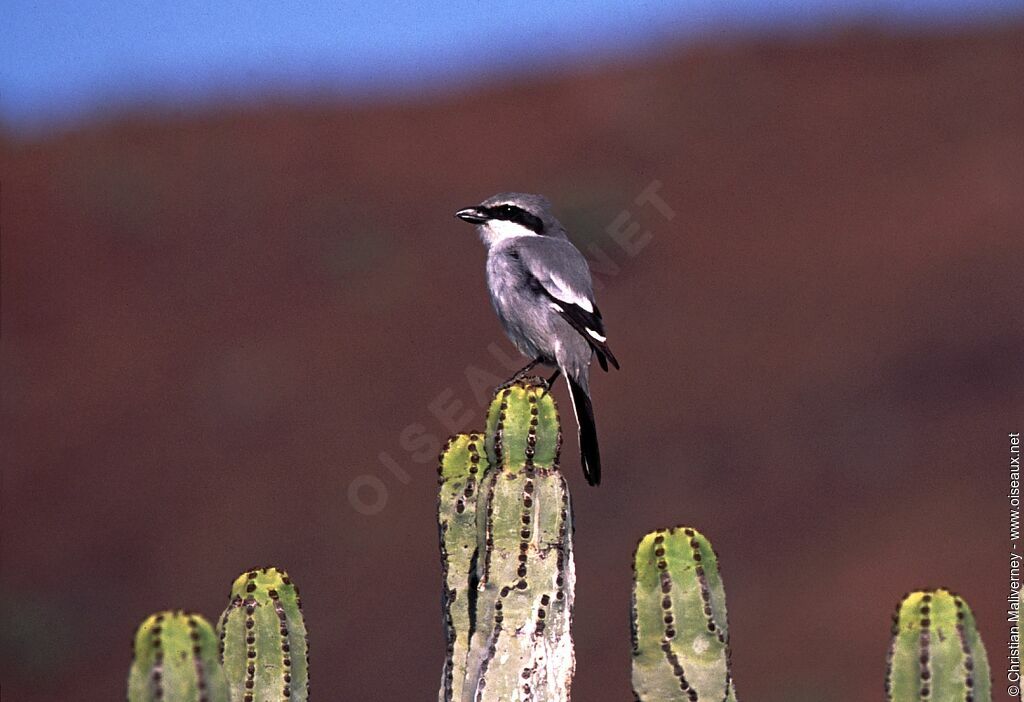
(936, 651)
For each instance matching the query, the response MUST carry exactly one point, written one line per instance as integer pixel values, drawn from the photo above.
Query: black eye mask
(513, 213)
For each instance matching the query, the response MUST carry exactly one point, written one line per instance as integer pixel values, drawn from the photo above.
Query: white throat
(496, 230)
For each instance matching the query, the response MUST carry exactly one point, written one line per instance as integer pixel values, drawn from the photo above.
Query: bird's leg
(523, 370)
(521, 373)
(551, 381)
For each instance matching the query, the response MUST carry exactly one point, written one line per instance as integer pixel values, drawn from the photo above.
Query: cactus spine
(263, 645)
(175, 660)
(679, 625)
(509, 580)
(936, 652)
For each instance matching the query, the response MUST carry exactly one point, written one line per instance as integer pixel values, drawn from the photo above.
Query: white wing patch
(565, 293)
(558, 308)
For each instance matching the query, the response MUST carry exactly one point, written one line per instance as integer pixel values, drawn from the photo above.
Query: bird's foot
(549, 383)
(523, 378)
(521, 375)
(526, 379)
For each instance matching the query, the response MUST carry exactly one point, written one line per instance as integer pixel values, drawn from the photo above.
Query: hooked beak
(472, 215)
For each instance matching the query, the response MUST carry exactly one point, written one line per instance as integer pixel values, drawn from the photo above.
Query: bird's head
(507, 215)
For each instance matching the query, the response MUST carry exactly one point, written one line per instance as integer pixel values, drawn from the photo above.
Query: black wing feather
(583, 321)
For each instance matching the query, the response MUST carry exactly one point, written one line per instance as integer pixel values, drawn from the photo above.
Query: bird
(541, 289)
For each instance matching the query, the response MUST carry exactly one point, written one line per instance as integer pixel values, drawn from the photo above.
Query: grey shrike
(540, 287)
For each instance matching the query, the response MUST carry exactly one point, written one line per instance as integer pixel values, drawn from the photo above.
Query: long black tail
(590, 454)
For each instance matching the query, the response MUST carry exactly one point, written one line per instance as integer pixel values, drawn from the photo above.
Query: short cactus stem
(463, 463)
(175, 660)
(520, 581)
(263, 645)
(679, 624)
(936, 652)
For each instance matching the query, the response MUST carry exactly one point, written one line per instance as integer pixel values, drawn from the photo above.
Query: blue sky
(60, 59)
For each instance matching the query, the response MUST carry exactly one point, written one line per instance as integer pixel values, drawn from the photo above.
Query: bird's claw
(545, 383)
(524, 378)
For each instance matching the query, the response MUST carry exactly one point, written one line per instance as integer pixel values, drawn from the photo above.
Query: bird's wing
(559, 271)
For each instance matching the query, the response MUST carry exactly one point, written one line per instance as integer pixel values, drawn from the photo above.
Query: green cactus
(175, 660)
(263, 645)
(936, 652)
(462, 465)
(506, 536)
(509, 581)
(679, 624)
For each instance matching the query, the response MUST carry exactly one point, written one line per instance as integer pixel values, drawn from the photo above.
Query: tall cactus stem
(522, 576)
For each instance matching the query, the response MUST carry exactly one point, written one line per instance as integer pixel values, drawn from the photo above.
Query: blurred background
(239, 319)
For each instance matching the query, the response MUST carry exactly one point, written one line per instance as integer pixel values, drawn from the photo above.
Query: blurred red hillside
(212, 324)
